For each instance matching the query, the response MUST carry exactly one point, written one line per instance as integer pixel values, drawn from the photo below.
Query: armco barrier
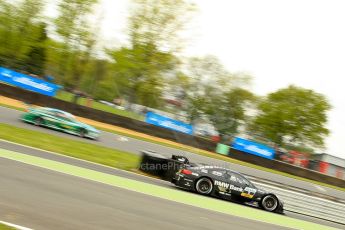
(38, 99)
(287, 168)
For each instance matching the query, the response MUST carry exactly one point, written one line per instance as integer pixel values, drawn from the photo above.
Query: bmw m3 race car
(209, 180)
(59, 120)
(226, 184)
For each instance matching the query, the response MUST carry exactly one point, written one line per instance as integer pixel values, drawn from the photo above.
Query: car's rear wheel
(38, 121)
(269, 203)
(82, 132)
(204, 186)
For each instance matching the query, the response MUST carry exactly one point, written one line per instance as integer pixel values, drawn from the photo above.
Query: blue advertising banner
(168, 123)
(26, 82)
(253, 148)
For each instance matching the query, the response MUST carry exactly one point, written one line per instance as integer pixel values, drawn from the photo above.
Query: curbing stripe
(15, 226)
(165, 193)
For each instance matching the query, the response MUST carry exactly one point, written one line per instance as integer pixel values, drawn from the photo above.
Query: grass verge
(78, 149)
(5, 227)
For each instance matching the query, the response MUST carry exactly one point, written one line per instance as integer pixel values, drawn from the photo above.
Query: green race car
(59, 120)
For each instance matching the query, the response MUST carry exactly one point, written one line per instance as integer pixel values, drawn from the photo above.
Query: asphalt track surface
(42, 199)
(132, 145)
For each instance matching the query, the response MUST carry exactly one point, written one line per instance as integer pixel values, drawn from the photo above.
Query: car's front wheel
(269, 203)
(204, 186)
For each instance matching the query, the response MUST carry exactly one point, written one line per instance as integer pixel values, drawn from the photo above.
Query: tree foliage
(20, 31)
(293, 115)
(142, 67)
(77, 40)
(227, 112)
(36, 58)
(215, 93)
(150, 65)
(159, 22)
(140, 70)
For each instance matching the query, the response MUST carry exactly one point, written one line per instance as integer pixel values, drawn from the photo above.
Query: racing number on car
(248, 192)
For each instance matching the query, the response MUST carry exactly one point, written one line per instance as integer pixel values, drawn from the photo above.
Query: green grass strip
(78, 149)
(165, 193)
(5, 227)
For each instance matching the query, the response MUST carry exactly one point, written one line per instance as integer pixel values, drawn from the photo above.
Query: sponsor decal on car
(66, 126)
(233, 178)
(247, 195)
(225, 193)
(187, 184)
(221, 184)
(209, 167)
(235, 188)
(227, 185)
(248, 192)
(216, 173)
(222, 189)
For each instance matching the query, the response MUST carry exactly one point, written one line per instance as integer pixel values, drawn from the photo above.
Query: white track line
(15, 226)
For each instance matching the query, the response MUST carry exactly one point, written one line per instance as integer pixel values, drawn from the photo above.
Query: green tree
(154, 28)
(140, 72)
(78, 40)
(19, 31)
(36, 59)
(293, 116)
(227, 111)
(159, 22)
(215, 93)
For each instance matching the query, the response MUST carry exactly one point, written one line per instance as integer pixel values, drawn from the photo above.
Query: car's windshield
(239, 179)
(59, 114)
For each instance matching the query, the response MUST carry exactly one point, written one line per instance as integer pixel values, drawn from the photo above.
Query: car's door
(236, 184)
(49, 117)
(241, 186)
(65, 123)
(220, 180)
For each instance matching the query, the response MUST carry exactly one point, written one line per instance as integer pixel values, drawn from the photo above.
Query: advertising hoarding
(27, 82)
(168, 123)
(253, 148)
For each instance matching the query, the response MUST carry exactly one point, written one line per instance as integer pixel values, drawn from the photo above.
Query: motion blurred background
(154, 62)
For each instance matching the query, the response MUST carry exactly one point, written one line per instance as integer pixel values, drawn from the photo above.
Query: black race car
(209, 180)
(226, 184)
